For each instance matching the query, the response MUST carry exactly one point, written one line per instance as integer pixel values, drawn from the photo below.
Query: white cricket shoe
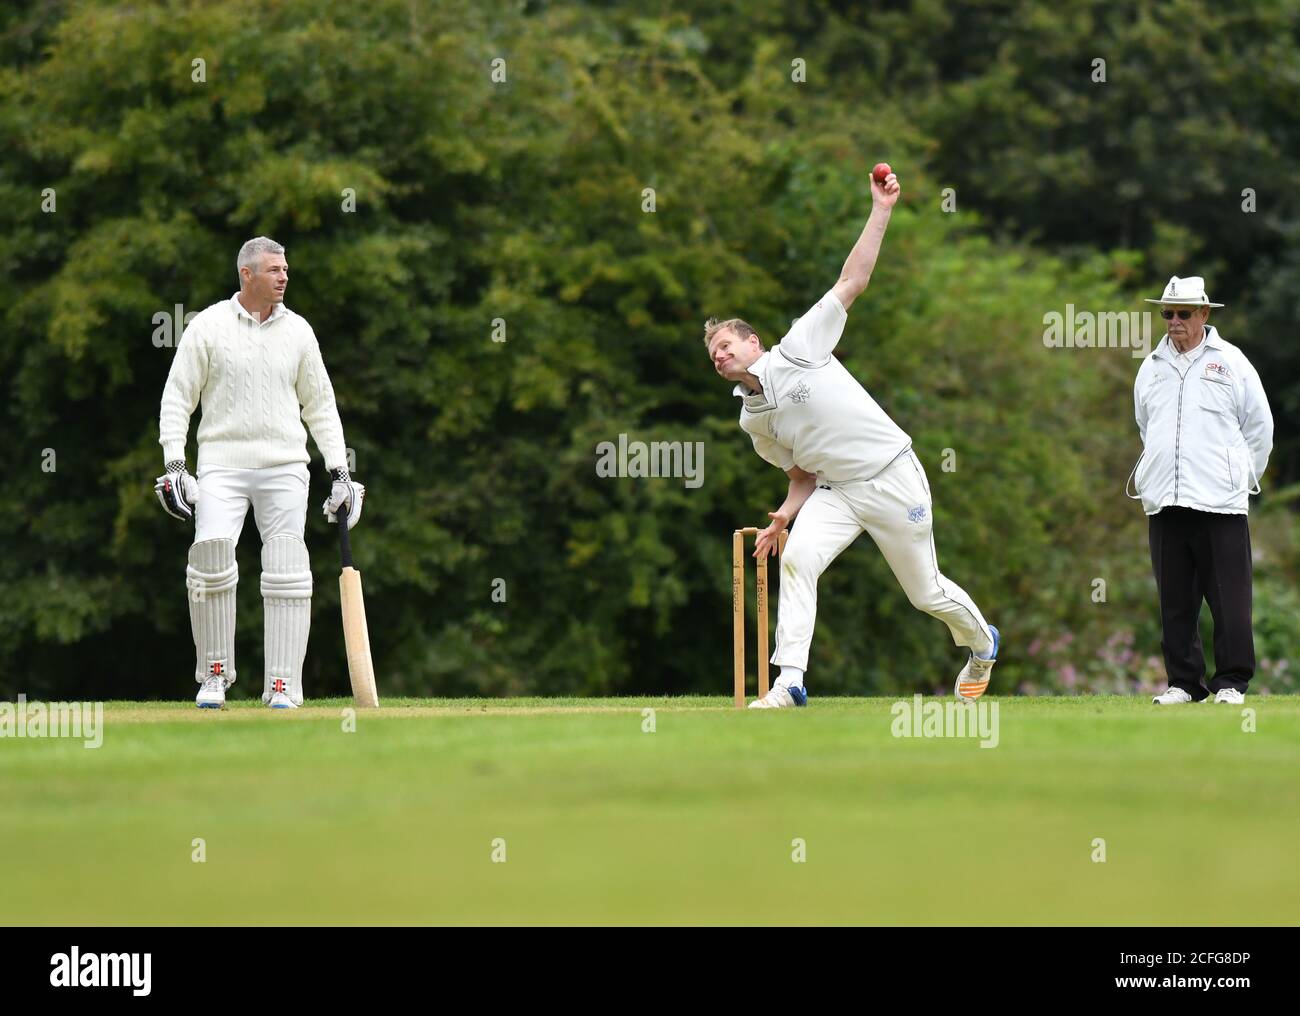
(781, 698)
(973, 680)
(1172, 697)
(282, 701)
(212, 695)
(1230, 696)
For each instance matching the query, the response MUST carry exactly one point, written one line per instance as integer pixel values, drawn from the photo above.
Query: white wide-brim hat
(1189, 291)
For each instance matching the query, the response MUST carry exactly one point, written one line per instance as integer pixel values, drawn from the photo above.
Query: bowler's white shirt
(811, 412)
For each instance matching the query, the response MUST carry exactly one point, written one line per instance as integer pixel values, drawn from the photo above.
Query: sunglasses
(1183, 315)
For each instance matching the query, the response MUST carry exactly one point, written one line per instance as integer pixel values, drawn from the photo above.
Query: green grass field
(693, 823)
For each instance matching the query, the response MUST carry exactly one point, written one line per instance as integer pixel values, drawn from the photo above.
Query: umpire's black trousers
(1204, 556)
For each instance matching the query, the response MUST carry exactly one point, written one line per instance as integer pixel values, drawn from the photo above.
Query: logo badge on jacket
(1216, 371)
(800, 393)
(916, 514)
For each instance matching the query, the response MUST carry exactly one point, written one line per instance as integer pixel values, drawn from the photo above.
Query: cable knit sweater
(252, 379)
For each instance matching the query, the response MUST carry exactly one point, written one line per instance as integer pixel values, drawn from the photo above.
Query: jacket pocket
(1142, 471)
(1153, 475)
(1132, 478)
(1241, 471)
(1217, 397)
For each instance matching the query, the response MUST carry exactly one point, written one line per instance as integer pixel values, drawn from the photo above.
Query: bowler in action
(851, 469)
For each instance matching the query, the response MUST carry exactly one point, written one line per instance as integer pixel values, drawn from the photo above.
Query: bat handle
(345, 544)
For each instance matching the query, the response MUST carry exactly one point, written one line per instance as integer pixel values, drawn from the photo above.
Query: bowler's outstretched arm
(861, 261)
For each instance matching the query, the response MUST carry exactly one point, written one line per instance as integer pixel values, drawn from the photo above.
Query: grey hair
(254, 249)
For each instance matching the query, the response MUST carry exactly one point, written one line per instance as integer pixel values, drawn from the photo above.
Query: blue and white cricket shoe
(212, 695)
(781, 698)
(282, 701)
(973, 680)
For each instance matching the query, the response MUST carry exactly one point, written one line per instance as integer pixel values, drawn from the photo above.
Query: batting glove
(344, 491)
(178, 491)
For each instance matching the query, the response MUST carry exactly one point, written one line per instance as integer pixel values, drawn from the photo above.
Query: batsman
(851, 469)
(256, 368)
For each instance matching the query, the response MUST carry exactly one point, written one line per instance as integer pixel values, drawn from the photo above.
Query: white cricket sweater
(257, 384)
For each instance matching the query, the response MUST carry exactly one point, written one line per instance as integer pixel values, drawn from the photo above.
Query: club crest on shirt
(916, 514)
(800, 393)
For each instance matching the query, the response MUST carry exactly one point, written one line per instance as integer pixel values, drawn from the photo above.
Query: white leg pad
(286, 599)
(210, 579)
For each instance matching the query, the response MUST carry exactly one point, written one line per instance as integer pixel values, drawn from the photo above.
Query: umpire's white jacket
(1206, 433)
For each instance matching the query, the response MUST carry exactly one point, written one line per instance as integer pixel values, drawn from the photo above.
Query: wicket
(738, 611)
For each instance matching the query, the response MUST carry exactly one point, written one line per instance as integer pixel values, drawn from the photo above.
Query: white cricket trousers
(894, 507)
(278, 495)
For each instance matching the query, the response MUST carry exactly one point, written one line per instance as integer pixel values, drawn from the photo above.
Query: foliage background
(522, 201)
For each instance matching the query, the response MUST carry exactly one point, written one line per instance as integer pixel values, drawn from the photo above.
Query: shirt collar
(755, 368)
(1211, 340)
(276, 312)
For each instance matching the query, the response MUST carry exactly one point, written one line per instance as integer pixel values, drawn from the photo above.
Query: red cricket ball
(881, 171)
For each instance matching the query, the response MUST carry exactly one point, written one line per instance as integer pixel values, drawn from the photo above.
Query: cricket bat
(356, 636)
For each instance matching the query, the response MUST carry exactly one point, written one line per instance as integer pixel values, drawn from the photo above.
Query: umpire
(1206, 434)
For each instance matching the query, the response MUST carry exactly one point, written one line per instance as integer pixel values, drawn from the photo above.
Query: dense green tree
(1167, 127)
(523, 202)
